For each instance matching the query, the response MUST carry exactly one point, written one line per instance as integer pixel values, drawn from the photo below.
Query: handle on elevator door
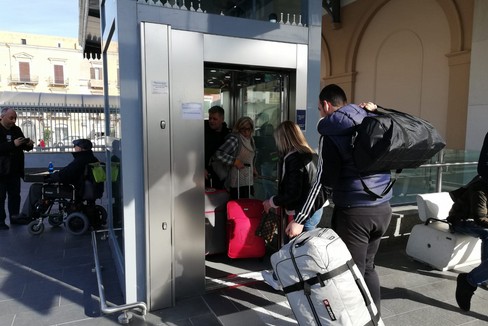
(162, 124)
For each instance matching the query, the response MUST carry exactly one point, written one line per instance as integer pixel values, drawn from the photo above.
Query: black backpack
(94, 178)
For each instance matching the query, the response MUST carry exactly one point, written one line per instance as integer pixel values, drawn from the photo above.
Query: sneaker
(270, 278)
(4, 227)
(464, 292)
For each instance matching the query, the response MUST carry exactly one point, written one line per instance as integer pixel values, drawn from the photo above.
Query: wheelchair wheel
(55, 220)
(77, 223)
(35, 228)
(100, 215)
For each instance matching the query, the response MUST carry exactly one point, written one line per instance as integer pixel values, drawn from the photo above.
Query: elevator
(174, 65)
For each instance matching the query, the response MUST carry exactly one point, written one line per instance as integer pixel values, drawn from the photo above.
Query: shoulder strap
(385, 191)
(353, 138)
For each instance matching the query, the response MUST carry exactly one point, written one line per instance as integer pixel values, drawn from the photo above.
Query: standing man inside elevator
(215, 132)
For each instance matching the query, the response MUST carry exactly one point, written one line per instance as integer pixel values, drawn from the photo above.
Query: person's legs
(3, 197)
(467, 283)
(479, 274)
(361, 229)
(13, 193)
(35, 194)
(472, 229)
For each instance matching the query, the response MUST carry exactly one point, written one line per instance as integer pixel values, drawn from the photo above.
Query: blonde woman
(297, 166)
(239, 152)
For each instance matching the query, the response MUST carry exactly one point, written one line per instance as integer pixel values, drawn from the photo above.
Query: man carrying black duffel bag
(358, 218)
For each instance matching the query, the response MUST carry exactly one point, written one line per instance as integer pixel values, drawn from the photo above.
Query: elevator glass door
(259, 94)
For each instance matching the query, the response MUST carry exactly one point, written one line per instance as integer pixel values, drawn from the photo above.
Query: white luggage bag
(433, 243)
(321, 282)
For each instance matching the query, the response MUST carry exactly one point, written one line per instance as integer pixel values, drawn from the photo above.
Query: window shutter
(58, 74)
(24, 71)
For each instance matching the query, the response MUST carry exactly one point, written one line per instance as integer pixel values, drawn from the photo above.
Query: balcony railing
(30, 80)
(58, 83)
(283, 12)
(95, 83)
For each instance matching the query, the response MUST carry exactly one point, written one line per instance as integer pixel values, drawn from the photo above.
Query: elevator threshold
(224, 272)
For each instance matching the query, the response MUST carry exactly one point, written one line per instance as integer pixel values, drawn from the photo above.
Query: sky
(48, 17)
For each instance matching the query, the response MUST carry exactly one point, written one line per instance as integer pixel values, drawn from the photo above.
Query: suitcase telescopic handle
(239, 180)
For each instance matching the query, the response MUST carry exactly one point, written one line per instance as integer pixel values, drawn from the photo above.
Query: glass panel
(411, 182)
(260, 99)
(111, 136)
(258, 94)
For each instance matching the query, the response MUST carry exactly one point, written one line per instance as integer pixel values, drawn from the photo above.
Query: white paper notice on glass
(159, 87)
(192, 111)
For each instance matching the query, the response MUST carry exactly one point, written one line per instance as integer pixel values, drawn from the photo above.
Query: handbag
(220, 168)
(268, 226)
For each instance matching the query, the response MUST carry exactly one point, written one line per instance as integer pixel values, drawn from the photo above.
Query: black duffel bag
(394, 140)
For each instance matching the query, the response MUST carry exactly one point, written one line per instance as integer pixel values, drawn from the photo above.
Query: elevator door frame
(168, 222)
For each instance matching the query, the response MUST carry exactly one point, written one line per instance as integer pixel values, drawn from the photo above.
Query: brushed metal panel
(250, 52)
(157, 147)
(187, 129)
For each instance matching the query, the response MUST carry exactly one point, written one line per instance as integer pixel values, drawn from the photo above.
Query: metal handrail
(439, 165)
(104, 308)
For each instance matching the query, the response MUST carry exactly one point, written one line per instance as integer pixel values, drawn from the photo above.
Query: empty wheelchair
(63, 204)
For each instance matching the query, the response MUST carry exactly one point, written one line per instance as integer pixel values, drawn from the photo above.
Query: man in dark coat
(469, 215)
(215, 132)
(12, 147)
(73, 173)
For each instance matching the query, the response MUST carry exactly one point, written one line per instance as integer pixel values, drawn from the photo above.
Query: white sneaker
(270, 278)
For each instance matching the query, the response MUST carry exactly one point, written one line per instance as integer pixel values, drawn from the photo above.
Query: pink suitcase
(243, 217)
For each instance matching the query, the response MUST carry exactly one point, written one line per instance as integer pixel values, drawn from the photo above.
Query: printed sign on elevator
(192, 111)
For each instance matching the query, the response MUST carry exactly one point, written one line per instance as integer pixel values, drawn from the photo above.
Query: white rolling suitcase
(433, 243)
(321, 282)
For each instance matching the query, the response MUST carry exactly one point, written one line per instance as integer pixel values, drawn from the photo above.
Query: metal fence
(55, 128)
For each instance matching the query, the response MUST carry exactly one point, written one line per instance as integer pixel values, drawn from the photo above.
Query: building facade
(50, 64)
(423, 57)
(58, 94)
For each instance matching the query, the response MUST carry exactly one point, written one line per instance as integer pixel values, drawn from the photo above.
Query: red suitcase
(243, 217)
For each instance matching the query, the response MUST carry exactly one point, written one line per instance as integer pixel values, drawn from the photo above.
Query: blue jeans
(312, 222)
(479, 274)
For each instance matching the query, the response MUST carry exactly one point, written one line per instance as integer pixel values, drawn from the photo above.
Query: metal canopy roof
(89, 35)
